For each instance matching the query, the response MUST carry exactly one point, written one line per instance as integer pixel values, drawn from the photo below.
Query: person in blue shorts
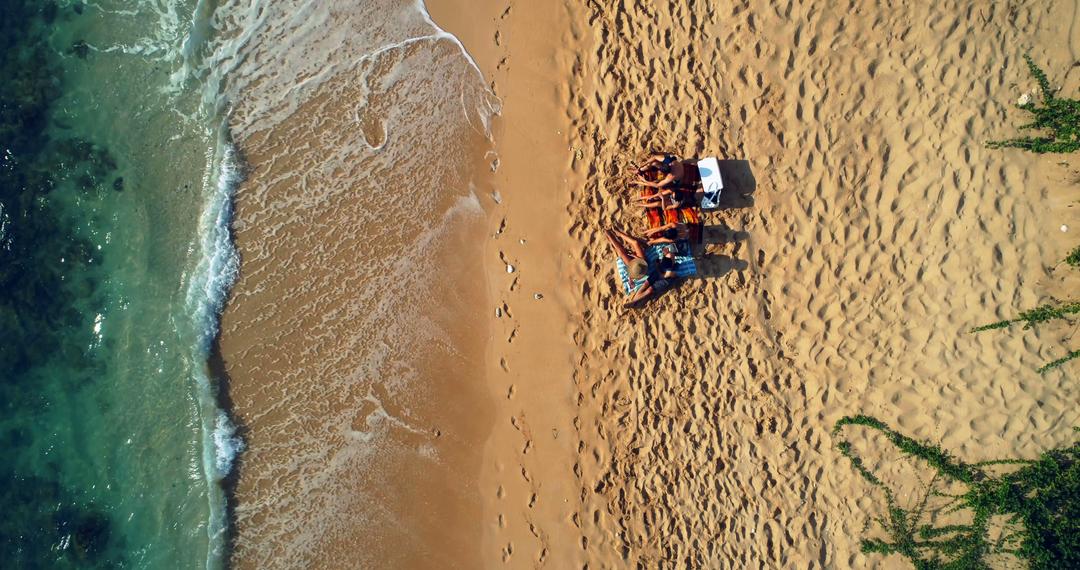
(660, 280)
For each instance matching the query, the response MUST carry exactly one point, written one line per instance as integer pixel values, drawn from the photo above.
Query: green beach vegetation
(971, 513)
(1058, 120)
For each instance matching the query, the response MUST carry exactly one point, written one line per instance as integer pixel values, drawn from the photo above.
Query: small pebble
(498, 312)
(1064, 228)
(509, 268)
(538, 296)
(521, 241)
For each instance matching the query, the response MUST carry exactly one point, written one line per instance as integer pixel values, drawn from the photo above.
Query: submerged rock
(80, 49)
(118, 184)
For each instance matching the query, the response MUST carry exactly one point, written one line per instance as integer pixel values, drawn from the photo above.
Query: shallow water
(114, 262)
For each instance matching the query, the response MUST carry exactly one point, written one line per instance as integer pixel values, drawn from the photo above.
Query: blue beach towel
(684, 265)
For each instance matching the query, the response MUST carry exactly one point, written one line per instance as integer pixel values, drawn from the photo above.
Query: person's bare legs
(619, 249)
(653, 231)
(635, 243)
(654, 201)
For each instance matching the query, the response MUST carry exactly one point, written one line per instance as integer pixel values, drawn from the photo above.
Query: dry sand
(866, 227)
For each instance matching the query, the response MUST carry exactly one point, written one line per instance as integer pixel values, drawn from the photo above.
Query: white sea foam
(270, 58)
(205, 58)
(227, 445)
(215, 270)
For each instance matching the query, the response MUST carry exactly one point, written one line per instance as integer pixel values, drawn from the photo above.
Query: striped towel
(684, 264)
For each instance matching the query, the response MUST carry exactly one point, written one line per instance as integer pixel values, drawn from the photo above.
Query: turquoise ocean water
(115, 181)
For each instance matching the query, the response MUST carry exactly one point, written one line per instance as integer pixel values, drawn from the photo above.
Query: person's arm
(653, 160)
(653, 231)
(660, 240)
(648, 164)
(659, 183)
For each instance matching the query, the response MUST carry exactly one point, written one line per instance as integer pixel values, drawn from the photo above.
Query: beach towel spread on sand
(689, 215)
(684, 265)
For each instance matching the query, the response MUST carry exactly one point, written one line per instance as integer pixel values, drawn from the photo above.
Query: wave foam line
(214, 273)
(443, 34)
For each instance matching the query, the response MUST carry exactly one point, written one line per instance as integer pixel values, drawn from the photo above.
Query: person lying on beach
(660, 280)
(631, 251)
(659, 161)
(668, 233)
(666, 198)
(673, 171)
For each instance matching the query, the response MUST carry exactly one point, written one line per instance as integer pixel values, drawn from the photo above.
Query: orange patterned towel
(656, 217)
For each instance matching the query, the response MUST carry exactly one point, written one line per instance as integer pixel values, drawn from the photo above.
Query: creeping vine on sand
(1031, 513)
(1041, 314)
(1073, 258)
(1058, 119)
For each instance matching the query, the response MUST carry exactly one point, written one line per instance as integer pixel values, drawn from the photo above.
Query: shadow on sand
(739, 184)
(714, 265)
(220, 376)
(739, 188)
(721, 233)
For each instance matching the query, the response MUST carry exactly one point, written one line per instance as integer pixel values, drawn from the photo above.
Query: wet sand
(865, 229)
(353, 341)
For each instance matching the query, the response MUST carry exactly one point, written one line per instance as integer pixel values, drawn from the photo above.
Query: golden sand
(866, 228)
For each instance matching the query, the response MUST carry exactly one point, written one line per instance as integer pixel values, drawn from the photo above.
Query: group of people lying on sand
(673, 191)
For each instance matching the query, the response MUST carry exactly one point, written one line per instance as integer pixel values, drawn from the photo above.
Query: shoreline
(698, 430)
(351, 339)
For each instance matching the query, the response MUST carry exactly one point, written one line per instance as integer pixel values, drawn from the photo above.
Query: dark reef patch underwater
(114, 191)
(48, 275)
